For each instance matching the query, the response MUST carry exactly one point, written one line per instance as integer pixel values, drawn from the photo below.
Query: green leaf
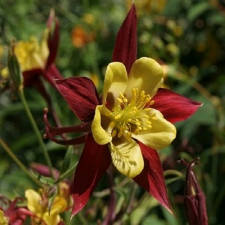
(171, 219)
(216, 19)
(197, 10)
(143, 208)
(14, 70)
(153, 220)
(69, 159)
(206, 115)
(172, 7)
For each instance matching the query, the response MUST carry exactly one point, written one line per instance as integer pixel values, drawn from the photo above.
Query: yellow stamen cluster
(131, 116)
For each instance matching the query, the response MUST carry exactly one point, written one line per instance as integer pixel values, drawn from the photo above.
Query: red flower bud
(195, 202)
(43, 170)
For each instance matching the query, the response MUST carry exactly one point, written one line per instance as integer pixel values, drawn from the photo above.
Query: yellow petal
(32, 54)
(160, 135)
(127, 158)
(3, 219)
(51, 219)
(34, 202)
(100, 135)
(145, 74)
(59, 205)
(115, 80)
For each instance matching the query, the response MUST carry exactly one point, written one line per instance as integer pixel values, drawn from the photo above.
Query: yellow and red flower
(132, 120)
(42, 212)
(37, 58)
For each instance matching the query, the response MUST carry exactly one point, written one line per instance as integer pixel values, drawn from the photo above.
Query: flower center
(131, 116)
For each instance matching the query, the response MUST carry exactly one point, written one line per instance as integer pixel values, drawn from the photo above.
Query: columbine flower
(37, 58)
(133, 117)
(195, 202)
(46, 214)
(126, 116)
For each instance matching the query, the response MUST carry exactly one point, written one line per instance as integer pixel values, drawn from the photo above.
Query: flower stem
(19, 163)
(173, 172)
(112, 202)
(67, 173)
(36, 130)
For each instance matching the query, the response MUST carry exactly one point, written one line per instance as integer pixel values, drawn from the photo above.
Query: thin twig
(36, 130)
(19, 163)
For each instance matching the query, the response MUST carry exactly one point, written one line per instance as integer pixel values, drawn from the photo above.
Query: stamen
(114, 133)
(131, 116)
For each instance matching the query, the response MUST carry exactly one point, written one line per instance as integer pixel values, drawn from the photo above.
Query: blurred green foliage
(186, 36)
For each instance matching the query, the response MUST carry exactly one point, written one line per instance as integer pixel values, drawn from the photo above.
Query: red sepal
(53, 39)
(173, 106)
(16, 215)
(30, 76)
(61, 223)
(51, 74)
(93, 163)
(81, 95)
(151, 178)
(125, 49)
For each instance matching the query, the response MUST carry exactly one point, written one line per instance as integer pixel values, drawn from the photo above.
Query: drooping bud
(194, 201)
(44, 170)
(53, 37)
(14, 69)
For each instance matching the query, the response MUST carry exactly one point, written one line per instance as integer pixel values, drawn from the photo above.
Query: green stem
(36, 130)
(19, 163)
(82, 218)
(85, 4)
(173, 172)
(67, 173)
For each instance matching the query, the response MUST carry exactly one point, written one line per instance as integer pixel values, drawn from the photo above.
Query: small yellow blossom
(4, 73)
(38, 204)
(175, 28)
(32, 54)
(126, 116)
(148, 5)
(89, 18)
(3, 219)
(3, 70)
(172, 49)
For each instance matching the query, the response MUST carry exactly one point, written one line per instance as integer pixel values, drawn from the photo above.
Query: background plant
(187, 36)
